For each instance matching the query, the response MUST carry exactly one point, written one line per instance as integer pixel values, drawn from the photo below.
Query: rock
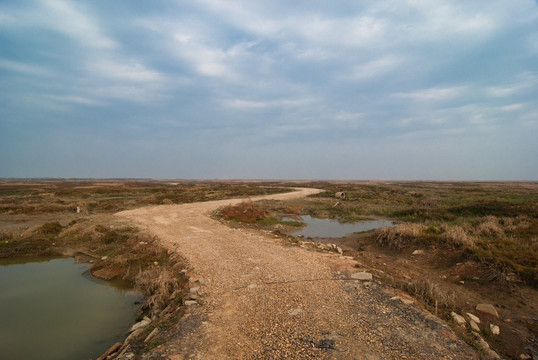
(151, 334)
(112, 350)
(252, 286)
(473, 317)
(325, 343)
(124, 351)
(474, 326)
(364, 276)
(192, 297)
(490, 354)
(190, 302)
(525, 357)
(418, 252)
(295, 312)
(495, 330)
(458, 318)
(104, 258)
(407, 301)
(141, 324)
(133, 335)
(488, 309)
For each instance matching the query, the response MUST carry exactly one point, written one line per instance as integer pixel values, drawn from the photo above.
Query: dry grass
(456, 237)
(490, 226)
(399, 237)
(431, 294)
(293, 209)
(158, 285)
(245, 212)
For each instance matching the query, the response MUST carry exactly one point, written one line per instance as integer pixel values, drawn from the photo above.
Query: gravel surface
(261, 299)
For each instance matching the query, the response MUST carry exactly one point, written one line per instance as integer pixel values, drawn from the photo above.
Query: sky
(206, 89)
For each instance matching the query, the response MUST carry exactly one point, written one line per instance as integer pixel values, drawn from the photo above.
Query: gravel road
(263, 299)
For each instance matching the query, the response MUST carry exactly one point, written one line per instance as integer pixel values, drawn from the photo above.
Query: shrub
(245, 212)
(456, 236)
(431, 293)
(490, 227)
(50, 228)
(158, 285)
(399, 237)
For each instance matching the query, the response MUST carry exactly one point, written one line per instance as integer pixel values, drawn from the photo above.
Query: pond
(54, 309)
(327, 228)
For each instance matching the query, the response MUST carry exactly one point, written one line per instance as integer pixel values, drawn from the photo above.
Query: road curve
(264, 299)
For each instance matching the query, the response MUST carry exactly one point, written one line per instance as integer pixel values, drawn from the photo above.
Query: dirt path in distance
(261, 299)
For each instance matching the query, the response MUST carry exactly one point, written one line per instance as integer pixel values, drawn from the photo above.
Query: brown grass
(431, 294)
(158, 285)
(400, 236)
(244, 212)
(490, 226)
(456, 237)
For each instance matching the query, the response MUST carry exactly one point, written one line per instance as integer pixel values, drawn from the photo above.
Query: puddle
(52, 310)
(327, 228)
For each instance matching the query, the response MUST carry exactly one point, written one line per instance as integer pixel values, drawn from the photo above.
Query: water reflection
(327, 228)
(48, 310)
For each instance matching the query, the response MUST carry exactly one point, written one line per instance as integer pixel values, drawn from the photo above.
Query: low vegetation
(46, 197)
(248, 212)
(494, 223)
(245, 212)
(75, 218)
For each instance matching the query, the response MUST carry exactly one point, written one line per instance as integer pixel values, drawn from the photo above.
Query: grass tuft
(245, 212)
(399, 237)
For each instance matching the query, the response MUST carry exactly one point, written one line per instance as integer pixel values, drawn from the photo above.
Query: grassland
(478, 243)
(76, 218)
(496, 223)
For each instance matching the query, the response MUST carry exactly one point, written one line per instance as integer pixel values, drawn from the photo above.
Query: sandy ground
(262, 299)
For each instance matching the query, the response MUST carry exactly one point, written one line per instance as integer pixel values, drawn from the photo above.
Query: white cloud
(512, 107)
(376, 67)
(255, 105)
(21, 67)
(133, 92)
(74, 99)
(67, 18)
(315, 28)
(205, 59)
(432, 94)
(524, 82)
(130, 71)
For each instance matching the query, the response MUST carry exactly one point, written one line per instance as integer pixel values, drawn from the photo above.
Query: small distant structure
(340, 195)
(81, 210)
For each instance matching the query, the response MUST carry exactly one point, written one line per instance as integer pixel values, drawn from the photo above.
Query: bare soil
(261, 298)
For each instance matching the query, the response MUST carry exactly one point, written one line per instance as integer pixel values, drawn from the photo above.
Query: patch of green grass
(154, 344)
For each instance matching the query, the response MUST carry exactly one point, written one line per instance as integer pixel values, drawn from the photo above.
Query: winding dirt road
(264, 299)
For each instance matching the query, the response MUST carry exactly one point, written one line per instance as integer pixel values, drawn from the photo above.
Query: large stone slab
(364, 276)
(488, 309)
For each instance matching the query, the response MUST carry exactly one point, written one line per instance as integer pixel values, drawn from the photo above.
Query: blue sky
(397, 90)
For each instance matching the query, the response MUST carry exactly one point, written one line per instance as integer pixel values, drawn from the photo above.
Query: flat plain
(455, 245)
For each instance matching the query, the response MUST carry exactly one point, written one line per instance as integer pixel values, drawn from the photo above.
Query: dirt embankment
(254, 297)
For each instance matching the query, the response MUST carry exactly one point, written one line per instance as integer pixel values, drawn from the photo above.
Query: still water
(327, 228)
(53, 309)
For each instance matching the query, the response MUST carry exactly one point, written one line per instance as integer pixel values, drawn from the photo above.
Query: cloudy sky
(401, 89)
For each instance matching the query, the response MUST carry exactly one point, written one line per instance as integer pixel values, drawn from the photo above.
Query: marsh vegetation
(454, 244)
